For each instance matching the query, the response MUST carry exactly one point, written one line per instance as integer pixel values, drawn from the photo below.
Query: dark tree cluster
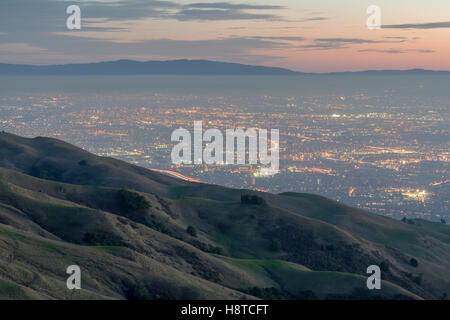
(131, 201)
(252, 199)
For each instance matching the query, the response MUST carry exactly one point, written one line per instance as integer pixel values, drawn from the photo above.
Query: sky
(309, 36)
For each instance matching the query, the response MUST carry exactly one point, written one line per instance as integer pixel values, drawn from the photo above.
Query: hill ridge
(182, 67)
(107, 215)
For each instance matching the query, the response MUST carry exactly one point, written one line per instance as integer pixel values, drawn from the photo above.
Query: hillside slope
(126, 227)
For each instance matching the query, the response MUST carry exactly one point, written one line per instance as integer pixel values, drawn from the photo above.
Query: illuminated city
(381, 151)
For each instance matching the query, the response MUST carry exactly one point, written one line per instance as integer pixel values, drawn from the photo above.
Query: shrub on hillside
(279, 294)
(418, 280)
(252, 199)
(154, 290)
(192, 231)
(137, 291)
(102, 238)
(208, 248)
(158, 226)
(413, 262)
(268, 293)
(384, 266)
(131, 201)
(224, 228)
(275, 245)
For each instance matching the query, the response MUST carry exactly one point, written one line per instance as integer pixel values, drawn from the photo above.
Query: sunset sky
(310, 36)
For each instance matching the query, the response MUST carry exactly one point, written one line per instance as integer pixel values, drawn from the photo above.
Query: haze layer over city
(376, 142)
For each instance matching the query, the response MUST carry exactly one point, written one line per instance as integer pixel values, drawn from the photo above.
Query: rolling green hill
(137, 234)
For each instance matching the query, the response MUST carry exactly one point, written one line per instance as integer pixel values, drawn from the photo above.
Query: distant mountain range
(172, 67)
(129, 67)
(138, 234)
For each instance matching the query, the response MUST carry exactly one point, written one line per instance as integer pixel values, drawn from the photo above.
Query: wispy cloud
(279, 38)
(398, 51)
(354, 40)
(429, 25)
(227, 5)
(342, 43)
(396, 38)
(314, 19)
(321, 46)
(219, 14)
(19, 48)
(225, 49)
(49, 15)
(225, 11)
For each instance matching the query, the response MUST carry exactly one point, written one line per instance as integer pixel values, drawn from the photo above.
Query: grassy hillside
(137, 234)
